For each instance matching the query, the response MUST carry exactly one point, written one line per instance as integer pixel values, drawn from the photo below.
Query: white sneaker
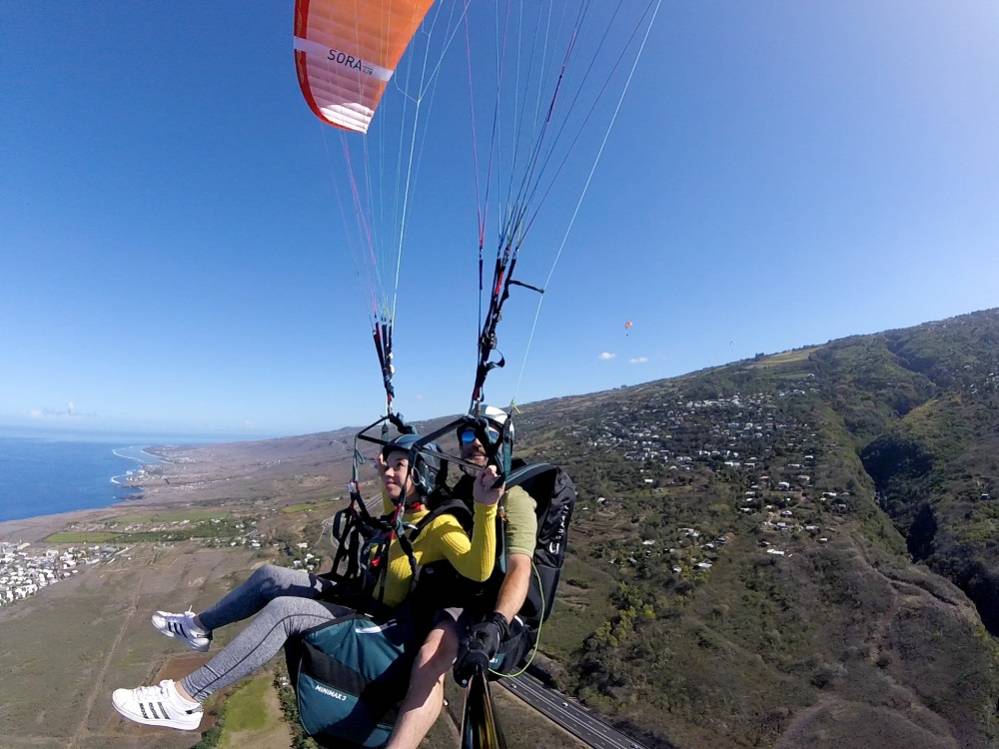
(158, 706)
(182, 627)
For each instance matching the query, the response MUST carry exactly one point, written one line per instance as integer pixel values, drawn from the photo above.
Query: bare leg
(426, 687)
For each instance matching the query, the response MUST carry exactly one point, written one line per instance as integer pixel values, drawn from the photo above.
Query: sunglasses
(468, 435)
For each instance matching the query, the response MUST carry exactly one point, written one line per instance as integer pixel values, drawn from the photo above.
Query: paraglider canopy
(346, 53)
(545, 84)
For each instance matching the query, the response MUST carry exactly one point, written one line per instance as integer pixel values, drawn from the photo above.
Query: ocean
(49, 473)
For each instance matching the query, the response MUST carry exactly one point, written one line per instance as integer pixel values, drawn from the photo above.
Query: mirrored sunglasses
(468, 435)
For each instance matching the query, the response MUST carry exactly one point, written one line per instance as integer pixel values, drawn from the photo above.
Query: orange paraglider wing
(346, 52)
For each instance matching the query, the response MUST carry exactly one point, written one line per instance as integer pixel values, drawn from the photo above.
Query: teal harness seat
(350, 675)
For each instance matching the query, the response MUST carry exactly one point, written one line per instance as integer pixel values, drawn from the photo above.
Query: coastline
(266, 473)
(146, 457)
(36, 527)
(141, 456)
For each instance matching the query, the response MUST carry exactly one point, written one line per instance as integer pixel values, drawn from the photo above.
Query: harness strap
(363, 540)
(449, 507)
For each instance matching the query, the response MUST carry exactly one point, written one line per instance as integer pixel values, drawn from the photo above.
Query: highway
(568, 713)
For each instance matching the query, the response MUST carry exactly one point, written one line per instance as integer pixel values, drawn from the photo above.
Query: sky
(174, 258)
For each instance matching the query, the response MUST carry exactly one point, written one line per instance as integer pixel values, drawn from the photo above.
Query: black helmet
(425, 466)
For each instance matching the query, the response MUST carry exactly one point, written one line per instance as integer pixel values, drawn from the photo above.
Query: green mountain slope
(756, 524)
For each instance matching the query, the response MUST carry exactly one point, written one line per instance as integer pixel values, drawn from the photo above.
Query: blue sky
(171, 252)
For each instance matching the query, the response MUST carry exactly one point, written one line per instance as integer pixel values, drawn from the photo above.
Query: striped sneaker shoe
(182, 627)
(158, 706)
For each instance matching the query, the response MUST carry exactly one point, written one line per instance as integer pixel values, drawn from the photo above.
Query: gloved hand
(489, 633)
(480, 646)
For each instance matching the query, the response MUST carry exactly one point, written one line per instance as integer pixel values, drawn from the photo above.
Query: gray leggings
(285, 600)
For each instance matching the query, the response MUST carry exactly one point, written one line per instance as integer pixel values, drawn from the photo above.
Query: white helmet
(494, 414)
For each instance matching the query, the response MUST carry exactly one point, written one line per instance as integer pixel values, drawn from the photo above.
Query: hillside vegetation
(757, 527)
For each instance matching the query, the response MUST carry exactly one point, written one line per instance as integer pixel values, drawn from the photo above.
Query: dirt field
(66, 649)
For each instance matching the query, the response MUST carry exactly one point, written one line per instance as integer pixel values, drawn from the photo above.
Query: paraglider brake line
(514, 282)
(487, 337)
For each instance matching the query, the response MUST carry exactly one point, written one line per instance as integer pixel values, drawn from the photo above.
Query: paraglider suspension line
(586, 187)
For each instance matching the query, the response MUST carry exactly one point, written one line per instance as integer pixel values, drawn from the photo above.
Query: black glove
(480, 646)
(489, 633)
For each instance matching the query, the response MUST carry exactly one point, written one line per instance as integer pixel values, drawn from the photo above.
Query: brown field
(67, 648)
(785, 357)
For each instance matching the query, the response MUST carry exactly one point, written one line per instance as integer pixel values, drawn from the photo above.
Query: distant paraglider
(628, 326)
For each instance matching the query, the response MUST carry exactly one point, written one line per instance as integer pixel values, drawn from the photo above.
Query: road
(568, 713)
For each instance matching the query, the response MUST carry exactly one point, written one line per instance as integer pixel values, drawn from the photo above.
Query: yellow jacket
(443, 538)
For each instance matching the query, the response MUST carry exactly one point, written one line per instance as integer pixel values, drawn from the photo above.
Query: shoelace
(191, 625)
(158, 692)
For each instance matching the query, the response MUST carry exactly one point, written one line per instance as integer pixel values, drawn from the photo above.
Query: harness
(554, 496)
(363, 540)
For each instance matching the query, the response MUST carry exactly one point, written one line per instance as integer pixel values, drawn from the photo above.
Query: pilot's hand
(485, 491)
(480, 646)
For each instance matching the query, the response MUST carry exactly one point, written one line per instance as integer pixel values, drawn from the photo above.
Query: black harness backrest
(555, 496)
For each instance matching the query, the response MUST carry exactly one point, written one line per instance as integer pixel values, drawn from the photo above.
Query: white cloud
(69, 412)
(606, 356)
(248, 424)
(638, 360)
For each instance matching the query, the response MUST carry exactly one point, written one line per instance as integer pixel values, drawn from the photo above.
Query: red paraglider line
(475, 140)
(357, 203)
(561, 74)
(501, 62)
(512, 225)
(582, 127)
